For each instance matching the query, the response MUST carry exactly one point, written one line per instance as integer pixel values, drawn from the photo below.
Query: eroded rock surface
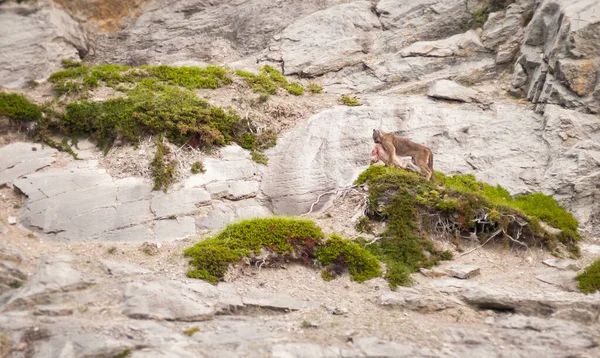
(35, 38)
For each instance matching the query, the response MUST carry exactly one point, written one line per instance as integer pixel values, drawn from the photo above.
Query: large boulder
(36, 36)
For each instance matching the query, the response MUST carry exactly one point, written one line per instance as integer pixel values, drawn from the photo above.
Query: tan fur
(394, 145)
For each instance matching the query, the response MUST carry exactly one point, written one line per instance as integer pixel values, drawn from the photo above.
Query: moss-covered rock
(284, 239)
(415, 209)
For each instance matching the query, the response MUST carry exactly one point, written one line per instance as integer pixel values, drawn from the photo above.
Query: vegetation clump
(18, 108)
(589, 279)
(350, 101)
(282, 239)
(157, 101)
(198, 167)
(190, 331)
(315, 88)
(268, 80)
(163, 170)
(415, 208)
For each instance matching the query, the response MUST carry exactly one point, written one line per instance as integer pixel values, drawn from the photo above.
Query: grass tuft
(589, 279)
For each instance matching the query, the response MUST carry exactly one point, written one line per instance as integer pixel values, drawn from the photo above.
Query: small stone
(463, 271)
(12, 220)
(340, 311)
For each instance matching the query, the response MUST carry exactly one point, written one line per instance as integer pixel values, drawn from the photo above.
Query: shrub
(163, 170)
(18, 108)
(284, 239)
(315, 88)
(361, 264)
(589, 280)
(198, 167)
(259, 157)
(350, 101)
(295, 88)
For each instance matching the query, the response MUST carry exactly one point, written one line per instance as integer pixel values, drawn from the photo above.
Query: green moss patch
(415, 209)
(589, 280)
(271, 241)
(18, 108)
(268, 80)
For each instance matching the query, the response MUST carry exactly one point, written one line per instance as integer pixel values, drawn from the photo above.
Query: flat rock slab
(561, 264)
(450, 90)
(18, 159)
(175, 229)
(416, 301)
(174, 300)
(563, 279)
(463, 271)
(170, 300)
(556, 304)
(54, 274)
(592, 249)
(116, 268)
(274, 301)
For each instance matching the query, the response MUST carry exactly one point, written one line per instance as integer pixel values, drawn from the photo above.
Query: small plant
(350, 101)
(190, 331)
(15, 284)
(70, 64)
(17, 206)
(198, 167)
(364, 225)
(172, 217)
(306, 324)
(295, 88)
(162, 171)
(589, 280)
(125, 353)
(112, 250)
(259, 157)
(315, 88)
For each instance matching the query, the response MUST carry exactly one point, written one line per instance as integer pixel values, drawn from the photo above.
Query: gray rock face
(451, 90)
(215, 32)
(522, 151)
(561, 54)
(564, 280)
(82, 202)
(576, 308)
(197, 300)
(460, 45)
(18, 159)
(561, 264)
(345, 33)
(413, 300)
(116, 268)
(54, 274)
(34, 40)
(279, 302)
(170, 300)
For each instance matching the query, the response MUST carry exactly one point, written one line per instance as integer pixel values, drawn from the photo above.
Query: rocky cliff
(507, 90)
